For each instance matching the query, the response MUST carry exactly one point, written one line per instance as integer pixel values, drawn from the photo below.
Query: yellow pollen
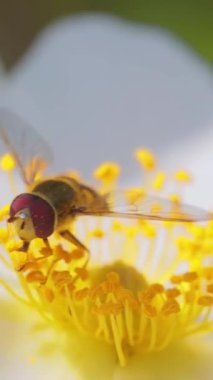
(156, 289)
(7, 162)
(37, 244)
(183, 176)
(205, 300)
(149, 310)
(77, 254)
(176, 279)
(107, 172)
(173, 293)
(159, 181)
(4, 212)
(146, 159)
(190, 276)
(171, 306)
(3, 235)
(35, 276)
(82, 273)
(19, 259)
(185, 277)
(97, 233)
(60, 253)
(13, 245)
(46, 293)
(81, 294)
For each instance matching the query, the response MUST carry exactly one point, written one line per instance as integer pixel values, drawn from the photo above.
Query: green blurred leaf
(22, 20)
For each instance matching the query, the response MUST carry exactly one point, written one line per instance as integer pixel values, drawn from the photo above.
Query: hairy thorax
(69, 197)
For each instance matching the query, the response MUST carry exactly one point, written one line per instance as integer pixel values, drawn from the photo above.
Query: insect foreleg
(47, 243)
(24, 247)
(72, 239)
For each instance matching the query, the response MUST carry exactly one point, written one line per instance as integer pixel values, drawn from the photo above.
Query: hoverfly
(51, 204)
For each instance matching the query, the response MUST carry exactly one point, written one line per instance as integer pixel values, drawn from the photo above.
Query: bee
(53, 203)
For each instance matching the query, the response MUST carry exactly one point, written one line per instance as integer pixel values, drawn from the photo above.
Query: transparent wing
(31, 153)
(151, 208)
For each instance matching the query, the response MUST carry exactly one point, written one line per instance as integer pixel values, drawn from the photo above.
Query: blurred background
(100, 78)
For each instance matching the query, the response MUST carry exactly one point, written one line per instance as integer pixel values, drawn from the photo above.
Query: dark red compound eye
(41, 212)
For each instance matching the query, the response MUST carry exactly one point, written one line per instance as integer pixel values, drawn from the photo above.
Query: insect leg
(24, 247)
(47, 243)
(70, 237)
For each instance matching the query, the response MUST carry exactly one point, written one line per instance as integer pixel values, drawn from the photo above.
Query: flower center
(146, 286)
(118, 272)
